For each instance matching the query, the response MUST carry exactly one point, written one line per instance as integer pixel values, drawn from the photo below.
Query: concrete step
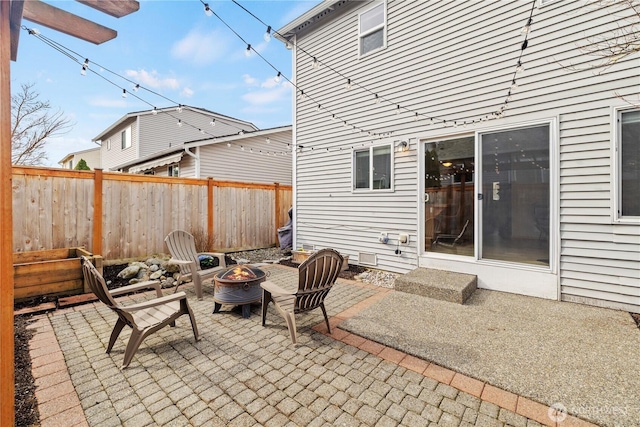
(437, 284)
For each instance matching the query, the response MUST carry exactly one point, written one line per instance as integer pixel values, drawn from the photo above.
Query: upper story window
(372, 168)
(372, 31)
(125, 137)
(173, 170)
(627, 146)
(109, 144)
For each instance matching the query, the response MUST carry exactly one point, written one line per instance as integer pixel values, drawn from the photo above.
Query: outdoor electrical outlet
(403, 238)
(384, 238)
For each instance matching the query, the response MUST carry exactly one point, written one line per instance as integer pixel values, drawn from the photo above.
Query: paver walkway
(244, 374)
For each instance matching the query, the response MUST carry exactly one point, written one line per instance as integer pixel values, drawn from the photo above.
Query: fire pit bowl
(238, 285)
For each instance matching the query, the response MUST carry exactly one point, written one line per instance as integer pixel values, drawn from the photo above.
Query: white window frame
(382, 26)
(370, 187)
(127, 139)
(616, 169)
(108, 144)
(173, 167)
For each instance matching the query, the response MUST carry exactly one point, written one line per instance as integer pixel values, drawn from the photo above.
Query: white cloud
(249, 81)
(152, 79)
(201, 48)
(187, 92)
(300, 8)
(280, 93)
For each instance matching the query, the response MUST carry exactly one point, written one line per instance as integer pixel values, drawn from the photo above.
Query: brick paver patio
(243, 374)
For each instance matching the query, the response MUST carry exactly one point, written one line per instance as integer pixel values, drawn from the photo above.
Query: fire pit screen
(238, 285)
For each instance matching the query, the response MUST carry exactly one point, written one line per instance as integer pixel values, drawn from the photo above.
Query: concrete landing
(437, 284)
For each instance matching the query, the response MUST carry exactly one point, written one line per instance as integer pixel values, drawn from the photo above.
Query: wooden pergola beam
(65, 22)
(15, 19)
(116, 8)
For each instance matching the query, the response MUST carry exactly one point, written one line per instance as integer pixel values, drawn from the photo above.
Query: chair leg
(194, 326)
(266, 299)
(326, 319)
(291, 324)
(115, 334)
(132, 346)
(197, 284)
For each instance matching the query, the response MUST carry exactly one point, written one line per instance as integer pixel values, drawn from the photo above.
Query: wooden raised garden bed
(54, 272)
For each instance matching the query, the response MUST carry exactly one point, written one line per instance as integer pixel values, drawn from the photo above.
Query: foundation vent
(367, 258)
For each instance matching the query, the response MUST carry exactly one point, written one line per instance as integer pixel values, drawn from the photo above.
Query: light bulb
(277, 78)
(124, 93)
(136, 87)
(315, 64)
(247, 52)
(268, 140)
(207, 10)
(398, 110)
(228, 144)
(319, 107)
(83, 72)
(212, 122)
(179, 108)
(241, 132)
(242, 148)
(520, 67)
(377, 99)
(347, 86)
(527, 28)
(154, 111)
(267, 34)
(514, 85)
(416, 118)
(179, 123)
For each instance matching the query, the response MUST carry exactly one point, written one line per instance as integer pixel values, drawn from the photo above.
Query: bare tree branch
(32, 125)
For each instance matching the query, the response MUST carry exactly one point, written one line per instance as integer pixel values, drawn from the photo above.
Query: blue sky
(172, 48)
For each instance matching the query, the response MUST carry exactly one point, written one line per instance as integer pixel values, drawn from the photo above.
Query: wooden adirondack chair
(316, 276)
(183, 252)
(143, 318)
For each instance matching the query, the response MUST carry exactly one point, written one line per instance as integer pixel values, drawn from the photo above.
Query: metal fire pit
(238, 285)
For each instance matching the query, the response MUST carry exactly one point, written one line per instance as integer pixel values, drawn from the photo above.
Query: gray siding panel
(455, 60)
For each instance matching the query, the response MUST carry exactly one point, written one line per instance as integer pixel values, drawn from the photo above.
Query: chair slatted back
(316, 276)
(98, 286)
(182, 246)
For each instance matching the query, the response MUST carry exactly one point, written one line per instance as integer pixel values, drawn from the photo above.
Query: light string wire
(86, 66)
(302, 93)
(432, 118)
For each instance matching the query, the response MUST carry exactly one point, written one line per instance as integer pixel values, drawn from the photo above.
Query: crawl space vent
(367, 258)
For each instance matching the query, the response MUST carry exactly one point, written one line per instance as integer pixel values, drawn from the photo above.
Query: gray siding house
(90, 156)
(196, 143)
(471, 136)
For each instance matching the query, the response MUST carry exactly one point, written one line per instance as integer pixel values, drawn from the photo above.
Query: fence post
(210, 213)
(96, 245)
(277, 203)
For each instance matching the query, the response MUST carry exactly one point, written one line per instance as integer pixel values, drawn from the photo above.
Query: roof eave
(321, 13)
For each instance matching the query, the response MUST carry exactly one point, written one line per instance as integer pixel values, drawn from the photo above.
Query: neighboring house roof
(76, 153)
(135, 114)
(175, 153)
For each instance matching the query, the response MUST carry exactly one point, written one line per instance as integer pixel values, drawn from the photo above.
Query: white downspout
(195, 156)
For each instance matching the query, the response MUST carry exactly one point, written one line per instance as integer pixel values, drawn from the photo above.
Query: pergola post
(7, 416)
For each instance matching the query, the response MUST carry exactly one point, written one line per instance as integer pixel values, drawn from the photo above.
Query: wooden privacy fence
(122, 216)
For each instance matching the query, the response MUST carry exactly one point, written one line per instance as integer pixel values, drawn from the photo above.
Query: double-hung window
(627, 148)
(173, 170)
(372, 29)
(372, 168)
(125, 138)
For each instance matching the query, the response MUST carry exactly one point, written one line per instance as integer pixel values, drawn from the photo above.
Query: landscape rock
(129, 272)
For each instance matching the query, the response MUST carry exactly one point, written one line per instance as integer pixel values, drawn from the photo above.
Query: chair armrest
(179, 261)
(149, 284)
(218, 255)
(274, 289)
(155, 302)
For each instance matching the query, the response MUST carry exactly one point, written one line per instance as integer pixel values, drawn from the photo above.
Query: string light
(84, 67)
(154, 111)
(527, 28)
(267, 34)
(268, 140)
(377, 99)
(212, 122)
(136, 87)
(247, 52)
(179, 123)
(207, 10)
(519, 67)
(179, 108)
(347, 85)
(277, 78)
(124, 93)
(316, 64)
